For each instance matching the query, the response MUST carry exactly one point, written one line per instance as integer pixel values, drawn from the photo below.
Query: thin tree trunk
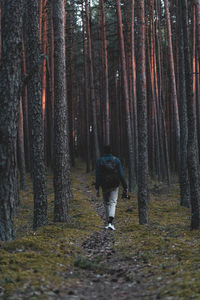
(105, 70)
(21, 154)
(197, 6)
(184, 180)
(126, 99)
(25, 111)
(62, 185)
(86, 97)
(70, 79)
(192, 136)
(44, 64)
(93, 100)
(35, 114)
(173, 85)
(142, 119)
(134, 84)
(0, 28)
(10, 84)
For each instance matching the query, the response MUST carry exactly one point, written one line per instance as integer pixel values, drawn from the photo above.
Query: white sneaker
(107, 226)
(111, 226)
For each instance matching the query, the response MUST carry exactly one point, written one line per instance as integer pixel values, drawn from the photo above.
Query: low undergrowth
(40, 260)
(167, 247)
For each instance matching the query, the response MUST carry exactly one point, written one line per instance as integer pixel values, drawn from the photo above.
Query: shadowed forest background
(74, 76)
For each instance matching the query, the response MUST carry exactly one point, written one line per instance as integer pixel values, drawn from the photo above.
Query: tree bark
(35, 114)
(87, 126)
(192, 136)
(105, 70)
(142, 118)
(0, 28)
(93, 100)
(126, 99)
(173, 85)
(184, 180)
(134, 89)
(62, 184)
(21, 154)
(10, 85)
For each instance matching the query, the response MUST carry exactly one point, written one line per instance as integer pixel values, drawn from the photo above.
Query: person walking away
(109, 175)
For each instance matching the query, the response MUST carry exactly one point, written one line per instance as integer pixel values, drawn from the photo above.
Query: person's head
(107, 149)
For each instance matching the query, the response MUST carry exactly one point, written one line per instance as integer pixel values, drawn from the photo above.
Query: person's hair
(107, 149)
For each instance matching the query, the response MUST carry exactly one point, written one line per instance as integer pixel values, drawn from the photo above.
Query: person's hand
(97, 193)
(125, 194)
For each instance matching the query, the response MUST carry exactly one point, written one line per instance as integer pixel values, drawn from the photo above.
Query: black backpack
(109, 173)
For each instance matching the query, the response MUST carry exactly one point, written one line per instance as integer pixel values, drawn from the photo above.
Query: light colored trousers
(110, 201)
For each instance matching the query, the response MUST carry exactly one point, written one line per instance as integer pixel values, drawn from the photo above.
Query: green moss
(42, 257)
(166, 248)
(166, 245)
(88, 264)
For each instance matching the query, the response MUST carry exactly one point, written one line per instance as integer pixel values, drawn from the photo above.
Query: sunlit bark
(33, 58)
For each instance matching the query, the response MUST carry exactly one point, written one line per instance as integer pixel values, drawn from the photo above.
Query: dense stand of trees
(75, 75)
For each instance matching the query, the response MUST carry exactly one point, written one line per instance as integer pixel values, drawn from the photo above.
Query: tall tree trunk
(35, 114)
(25, 109)
(87, 128)
(0, 28)
(134, 83)
(173, 85)
(105, 70)
(192, 136)
(93, 100)
(10, 83)
(21, 154)
(62, 183)
(184, 180)
(70, 79)
(126, 96)
(44, 64)
(142, 119)
(197, 6)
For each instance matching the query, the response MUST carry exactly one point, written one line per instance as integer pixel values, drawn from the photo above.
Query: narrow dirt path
(105, 274)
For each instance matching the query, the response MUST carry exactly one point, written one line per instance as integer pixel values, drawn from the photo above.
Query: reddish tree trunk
(134, 84)
(44, 52)
(173, 85)
(184, 180)
(126, 99)
(35, 114)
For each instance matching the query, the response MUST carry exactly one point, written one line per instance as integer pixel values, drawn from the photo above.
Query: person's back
(109, 175)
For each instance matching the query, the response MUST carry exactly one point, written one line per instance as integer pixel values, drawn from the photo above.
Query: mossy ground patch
(166, 248)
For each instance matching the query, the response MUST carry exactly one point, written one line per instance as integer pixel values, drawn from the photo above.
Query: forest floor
(81, 260)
